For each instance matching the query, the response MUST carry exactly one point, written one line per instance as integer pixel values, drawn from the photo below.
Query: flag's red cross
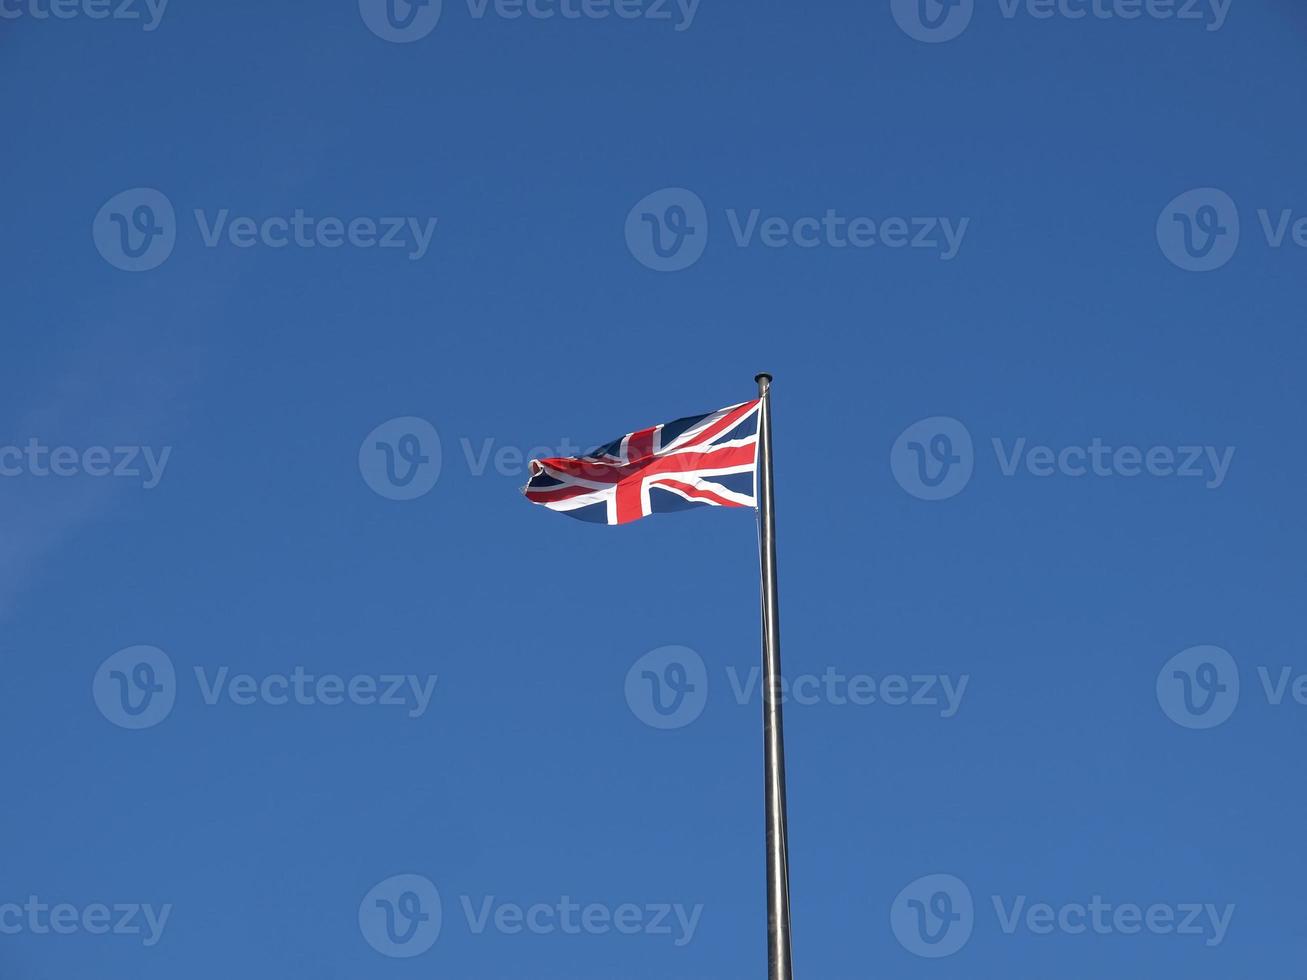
(683, 466)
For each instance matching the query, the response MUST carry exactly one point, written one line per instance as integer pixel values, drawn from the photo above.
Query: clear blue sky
(531, 318)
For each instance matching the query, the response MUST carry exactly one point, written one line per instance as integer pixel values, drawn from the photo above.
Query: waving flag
(705, 460)
(722, 459)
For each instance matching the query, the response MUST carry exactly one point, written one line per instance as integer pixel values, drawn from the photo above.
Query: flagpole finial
(764, 381)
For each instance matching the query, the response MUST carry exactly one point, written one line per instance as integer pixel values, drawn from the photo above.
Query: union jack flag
(704, 460)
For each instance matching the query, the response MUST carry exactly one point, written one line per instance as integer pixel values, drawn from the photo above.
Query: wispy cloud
(110, 392)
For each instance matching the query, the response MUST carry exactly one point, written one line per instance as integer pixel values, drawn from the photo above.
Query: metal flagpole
(778, 853)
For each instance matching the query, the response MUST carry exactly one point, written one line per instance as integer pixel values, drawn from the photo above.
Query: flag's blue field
(297, 684)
